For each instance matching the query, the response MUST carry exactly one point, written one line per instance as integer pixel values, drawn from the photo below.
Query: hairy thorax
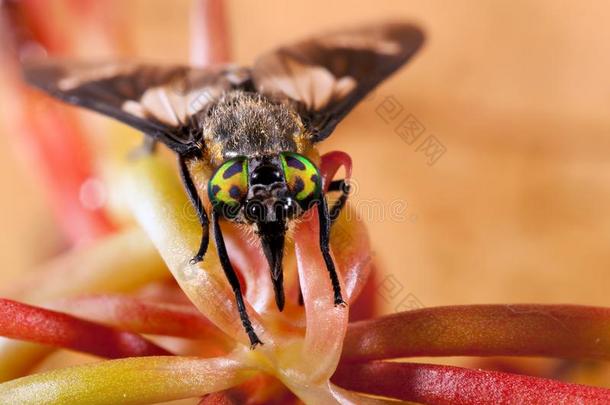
(248, 124)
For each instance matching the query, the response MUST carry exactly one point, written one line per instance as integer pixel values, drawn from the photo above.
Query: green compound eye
(302, 177)
(229, 184)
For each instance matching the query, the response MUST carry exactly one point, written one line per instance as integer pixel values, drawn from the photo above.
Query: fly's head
(265, 190)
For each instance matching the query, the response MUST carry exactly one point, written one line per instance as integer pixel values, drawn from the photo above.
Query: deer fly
(255, 128)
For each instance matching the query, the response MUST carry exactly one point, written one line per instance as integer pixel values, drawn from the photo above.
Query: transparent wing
(326, 76)
(160, 101)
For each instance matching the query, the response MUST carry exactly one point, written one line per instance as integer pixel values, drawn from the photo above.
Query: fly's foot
(196, 259)
(339, 302)
(254, 340)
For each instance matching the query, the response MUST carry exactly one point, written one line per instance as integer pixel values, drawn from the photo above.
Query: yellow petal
(139, 380)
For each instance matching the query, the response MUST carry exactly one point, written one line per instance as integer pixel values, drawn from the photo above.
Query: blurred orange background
(518, 94)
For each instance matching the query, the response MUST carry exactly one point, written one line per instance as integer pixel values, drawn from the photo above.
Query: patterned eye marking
(301, 175)
(229, 184)
(233, 169)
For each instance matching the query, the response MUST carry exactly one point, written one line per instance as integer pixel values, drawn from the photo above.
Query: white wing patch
(171, 107)
(83, 73)
(313, 85)
(357, 41)
(175, 102)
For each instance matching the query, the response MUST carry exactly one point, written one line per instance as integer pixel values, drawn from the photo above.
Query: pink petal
(350, 244)
(249, 262)
(326, 323)
(349, 237)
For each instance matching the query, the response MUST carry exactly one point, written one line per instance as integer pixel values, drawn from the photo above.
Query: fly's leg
(234, 281)
(198, 205)
(333, 214)
(325, 221)
(344, 187)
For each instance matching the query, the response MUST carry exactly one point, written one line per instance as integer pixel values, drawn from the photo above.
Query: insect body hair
(250, 124)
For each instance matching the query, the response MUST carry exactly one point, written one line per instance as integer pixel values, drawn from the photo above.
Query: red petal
(483, 330)
(454, 385)
(138, 316)
(25, 322)
(330, 164)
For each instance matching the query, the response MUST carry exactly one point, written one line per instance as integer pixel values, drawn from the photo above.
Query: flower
(164, 339)
(303, 347)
